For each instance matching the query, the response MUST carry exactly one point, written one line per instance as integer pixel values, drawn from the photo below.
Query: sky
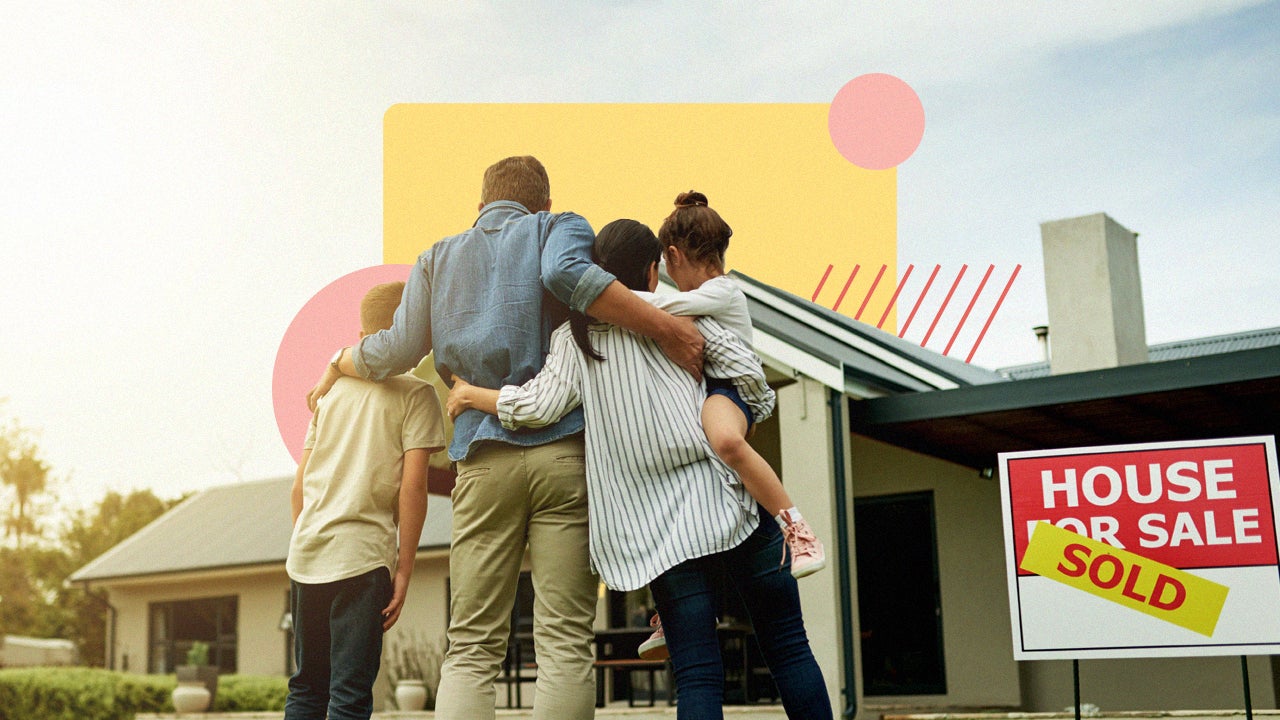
(178, 179)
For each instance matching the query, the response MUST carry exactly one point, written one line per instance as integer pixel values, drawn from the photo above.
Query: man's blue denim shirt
(486, 301)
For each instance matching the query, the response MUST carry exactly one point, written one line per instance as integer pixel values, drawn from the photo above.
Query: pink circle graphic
(876, 121)
(328, 321)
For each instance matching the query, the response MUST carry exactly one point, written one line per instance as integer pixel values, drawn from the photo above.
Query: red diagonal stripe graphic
(943, 309)
(995, 309)
(967, 310)
(894, 298)
(847, 283)
(821, 282)
(867, 299)
(927, 285)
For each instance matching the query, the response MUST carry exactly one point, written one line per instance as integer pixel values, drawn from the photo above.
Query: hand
(326, 383)
(684, 346)
(459, 399)
(399, 588)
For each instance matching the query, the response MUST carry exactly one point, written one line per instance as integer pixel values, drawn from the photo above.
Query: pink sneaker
(655, 648)
(807, 556)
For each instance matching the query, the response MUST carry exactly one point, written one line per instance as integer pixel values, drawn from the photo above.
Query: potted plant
(412, 666)
(198, 672)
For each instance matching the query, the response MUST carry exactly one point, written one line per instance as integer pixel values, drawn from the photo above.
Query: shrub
(250, 693)
(81, 694)
(94, 694)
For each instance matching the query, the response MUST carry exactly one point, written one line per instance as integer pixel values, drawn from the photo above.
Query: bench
(631, 665)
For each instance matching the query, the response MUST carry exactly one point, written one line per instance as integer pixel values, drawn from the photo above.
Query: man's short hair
(521, 178)
(378, 307)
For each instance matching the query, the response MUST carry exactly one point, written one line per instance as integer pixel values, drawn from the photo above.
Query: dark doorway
(899, 603)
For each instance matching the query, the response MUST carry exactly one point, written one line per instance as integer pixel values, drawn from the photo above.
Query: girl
(694, 239)
(646, 450)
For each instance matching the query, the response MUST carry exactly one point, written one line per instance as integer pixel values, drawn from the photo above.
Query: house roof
(1209, 396)
(228, 526)
(1178, 350)
(900, 393)
(847, 355)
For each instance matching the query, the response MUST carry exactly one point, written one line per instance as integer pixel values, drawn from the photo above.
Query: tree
(89, 534)
(23, 470)
(35, 598)
(19, 599)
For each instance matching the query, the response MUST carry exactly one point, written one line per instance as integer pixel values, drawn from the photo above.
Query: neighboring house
(23, 651)
(888, 448)
(212, 569)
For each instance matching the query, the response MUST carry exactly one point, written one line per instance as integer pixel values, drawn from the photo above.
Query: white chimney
(1094, 294)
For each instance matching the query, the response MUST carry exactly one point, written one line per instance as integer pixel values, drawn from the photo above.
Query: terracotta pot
(411, 695)
(191, 697)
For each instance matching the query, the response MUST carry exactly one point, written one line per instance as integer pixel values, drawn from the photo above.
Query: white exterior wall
(976, 636)
(262, 600)
(1191, 683)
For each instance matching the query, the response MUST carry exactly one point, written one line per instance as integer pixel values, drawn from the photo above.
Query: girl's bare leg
(726, 428)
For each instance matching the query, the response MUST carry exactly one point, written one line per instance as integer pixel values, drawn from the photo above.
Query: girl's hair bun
(690, 199)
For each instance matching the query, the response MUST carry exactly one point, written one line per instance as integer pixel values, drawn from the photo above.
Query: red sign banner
(1187, 507)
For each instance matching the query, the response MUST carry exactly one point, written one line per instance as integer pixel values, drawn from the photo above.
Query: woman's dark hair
(625, 249)
(700, 233)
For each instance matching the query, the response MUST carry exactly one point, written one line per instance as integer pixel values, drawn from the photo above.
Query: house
(212, 569)
(23, 651)
(891, 451)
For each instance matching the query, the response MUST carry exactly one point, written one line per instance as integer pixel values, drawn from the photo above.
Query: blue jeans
(337, 646)
(687, 603)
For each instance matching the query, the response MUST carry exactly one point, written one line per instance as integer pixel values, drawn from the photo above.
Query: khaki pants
(505, 497)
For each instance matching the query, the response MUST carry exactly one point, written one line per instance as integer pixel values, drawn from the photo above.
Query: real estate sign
(1159, 549)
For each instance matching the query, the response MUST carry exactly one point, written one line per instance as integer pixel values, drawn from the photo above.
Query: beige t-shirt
(351, 484)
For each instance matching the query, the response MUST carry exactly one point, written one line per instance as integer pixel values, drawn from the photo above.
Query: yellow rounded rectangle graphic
(798, 209)
(1125, 578)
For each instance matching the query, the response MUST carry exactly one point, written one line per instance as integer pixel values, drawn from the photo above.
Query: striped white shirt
(658, 494)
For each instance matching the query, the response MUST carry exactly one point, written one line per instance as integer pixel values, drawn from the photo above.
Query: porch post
(806, 427)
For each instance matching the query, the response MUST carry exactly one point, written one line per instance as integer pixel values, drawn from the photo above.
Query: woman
(665, 510)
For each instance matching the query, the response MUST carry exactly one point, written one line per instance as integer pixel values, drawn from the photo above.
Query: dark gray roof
(228, 526)
(1177, 350)
(869, 356)
(1210, 396)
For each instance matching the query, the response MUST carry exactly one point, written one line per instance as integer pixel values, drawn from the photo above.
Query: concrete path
(663, 712)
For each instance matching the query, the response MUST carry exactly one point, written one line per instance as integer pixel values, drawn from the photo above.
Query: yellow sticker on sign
(1125, 578)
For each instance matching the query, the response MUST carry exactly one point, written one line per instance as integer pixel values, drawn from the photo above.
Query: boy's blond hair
(521, 178)
(379, 307)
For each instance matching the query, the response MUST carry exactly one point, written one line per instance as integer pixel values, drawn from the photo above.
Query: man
(486, 302)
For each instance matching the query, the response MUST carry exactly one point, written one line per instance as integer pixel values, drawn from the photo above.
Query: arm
(464, 396)
(394, 350)
(295, 492)
(569, 274)
(710, 299)
(727, 357)
(413, 513)
(551, 394)
(677, 336)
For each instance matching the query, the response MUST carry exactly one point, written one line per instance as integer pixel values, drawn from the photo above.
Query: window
(176, 625)
(899, 603)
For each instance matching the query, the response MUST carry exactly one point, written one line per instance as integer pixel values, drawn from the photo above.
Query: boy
(364, 465)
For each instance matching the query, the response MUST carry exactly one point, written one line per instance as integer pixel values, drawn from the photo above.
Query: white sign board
(1152, 550)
